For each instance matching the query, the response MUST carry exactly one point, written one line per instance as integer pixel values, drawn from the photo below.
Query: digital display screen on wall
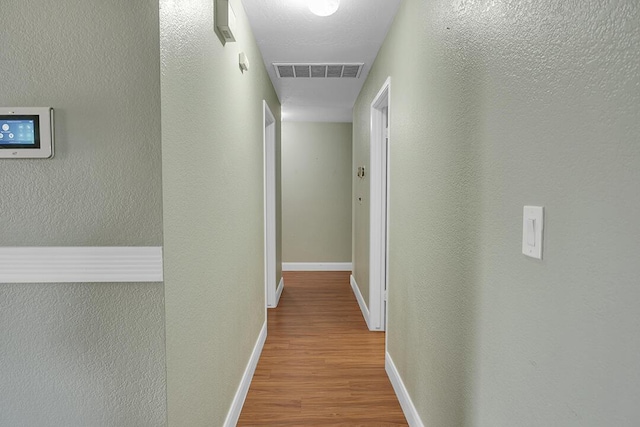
(19, 132)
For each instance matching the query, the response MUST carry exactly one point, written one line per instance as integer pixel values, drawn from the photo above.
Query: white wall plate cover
(532, 231)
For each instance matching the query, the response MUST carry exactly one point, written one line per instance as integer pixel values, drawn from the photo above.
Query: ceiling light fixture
(324, 7)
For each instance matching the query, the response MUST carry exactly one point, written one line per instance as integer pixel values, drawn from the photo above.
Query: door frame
(379, 201)
(269, 153)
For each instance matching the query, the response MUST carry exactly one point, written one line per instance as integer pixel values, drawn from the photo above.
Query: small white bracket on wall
(243, 62)
(225, 20)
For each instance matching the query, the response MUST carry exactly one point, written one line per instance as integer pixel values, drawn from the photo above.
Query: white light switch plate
(532, 227)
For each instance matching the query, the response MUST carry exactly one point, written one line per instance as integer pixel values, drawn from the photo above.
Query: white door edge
(269, 142)
(378, 241)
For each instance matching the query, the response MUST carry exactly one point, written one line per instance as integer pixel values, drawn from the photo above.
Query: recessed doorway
(379, 219)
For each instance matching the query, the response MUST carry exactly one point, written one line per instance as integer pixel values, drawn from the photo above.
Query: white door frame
(379, 196)
(269, 144)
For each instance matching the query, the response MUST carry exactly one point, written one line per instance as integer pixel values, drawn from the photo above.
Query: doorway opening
(379, 218)
(272, 295)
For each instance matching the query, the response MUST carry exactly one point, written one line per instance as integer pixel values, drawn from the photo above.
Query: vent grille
(285, 71)
(301, 70)
(313, 71)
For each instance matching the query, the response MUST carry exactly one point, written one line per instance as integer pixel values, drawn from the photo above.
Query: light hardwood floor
(320, 364)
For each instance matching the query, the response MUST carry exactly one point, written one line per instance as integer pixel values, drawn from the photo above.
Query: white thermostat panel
(26, 133)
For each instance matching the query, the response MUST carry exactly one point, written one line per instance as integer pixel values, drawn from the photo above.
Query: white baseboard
(361, 303)
(279, 290)
(317, 266)
(243, 388)
(410, 412)
(80, 264)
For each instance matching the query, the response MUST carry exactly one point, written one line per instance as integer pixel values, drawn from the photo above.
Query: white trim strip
(279, 290)
(378, 201)
(278, 293)
(243, 388)
(316, 266)
(361, 303)
(269, 154)
(87, 264)
(409, 409)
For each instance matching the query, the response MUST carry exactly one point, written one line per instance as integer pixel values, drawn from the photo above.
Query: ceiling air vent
(314, 71)
(284, 71)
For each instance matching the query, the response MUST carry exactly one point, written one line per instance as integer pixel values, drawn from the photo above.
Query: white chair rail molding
(80, 264)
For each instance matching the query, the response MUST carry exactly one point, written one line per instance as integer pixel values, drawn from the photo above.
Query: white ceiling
(287, 32)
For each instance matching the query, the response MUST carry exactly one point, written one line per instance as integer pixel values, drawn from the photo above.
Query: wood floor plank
(320, 365)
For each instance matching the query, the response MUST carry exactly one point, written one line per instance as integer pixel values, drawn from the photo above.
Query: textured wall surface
(83, 354)
(213, 208)
(361, 203)
(97, 64)
(507, 104)
(316, 192)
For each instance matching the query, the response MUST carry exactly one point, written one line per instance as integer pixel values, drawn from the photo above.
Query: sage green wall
(506, 104)
(213, 208)
(80, 354)
(97, 64)
(361, 202)
(316, 192)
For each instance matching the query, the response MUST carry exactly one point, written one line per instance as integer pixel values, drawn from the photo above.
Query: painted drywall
(361, 206)
(212, 159)
(97, 65)
(79, 354)
(316, 192)
(83, 354)
(506, 104)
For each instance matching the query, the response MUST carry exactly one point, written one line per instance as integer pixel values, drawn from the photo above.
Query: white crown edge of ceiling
(316, 114)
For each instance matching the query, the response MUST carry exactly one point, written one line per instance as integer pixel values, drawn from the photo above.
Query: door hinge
(385, 295)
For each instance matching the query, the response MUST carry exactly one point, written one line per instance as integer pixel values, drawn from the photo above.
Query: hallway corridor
(320, 365)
